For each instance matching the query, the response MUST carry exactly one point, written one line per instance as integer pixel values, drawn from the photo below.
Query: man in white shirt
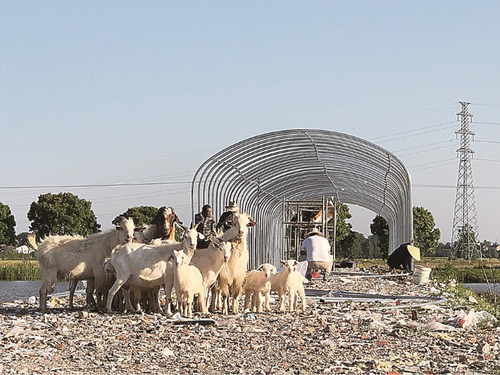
(317, 248)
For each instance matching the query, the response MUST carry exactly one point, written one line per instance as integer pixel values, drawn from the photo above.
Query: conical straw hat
(414, 252)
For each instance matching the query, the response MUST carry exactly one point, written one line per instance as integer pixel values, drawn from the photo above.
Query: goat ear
(251, 223)
(283, 262)
(201, 236)
(138, 229)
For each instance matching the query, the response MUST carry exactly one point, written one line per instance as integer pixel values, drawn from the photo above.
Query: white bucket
(421, 275)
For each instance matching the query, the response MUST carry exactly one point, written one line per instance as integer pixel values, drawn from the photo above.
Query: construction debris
(344, 337)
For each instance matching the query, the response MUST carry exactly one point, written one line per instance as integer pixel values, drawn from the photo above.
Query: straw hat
(414, 251)
(232, 207)
(314, 231)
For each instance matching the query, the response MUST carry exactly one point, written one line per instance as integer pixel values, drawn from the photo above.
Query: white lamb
(209, 261)
(188, 282)
(258, 282)
(289, 282)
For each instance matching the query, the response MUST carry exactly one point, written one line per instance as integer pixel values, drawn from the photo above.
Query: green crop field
(11, 270)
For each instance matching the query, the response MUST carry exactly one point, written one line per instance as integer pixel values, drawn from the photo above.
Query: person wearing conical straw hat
(317, 248)
(226, 219)
(404, 257)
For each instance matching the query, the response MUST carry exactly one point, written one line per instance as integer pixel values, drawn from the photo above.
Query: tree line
(67, 214)
(63, 214)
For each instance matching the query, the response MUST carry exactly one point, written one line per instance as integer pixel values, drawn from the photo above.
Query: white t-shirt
(317, 248)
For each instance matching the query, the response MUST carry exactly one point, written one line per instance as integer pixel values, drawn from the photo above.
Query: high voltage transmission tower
(465, 229)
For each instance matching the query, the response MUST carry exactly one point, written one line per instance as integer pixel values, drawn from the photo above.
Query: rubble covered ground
(391, 338)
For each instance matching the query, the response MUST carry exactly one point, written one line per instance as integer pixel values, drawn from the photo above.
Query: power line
(178, 174)
(414, 130)
(402, 115)
(475, 140)
(419, 147)
(126, 197)
(488, 123)
(163, 194)
(435, 166)
(99, 215)
(432, 162)
(488, 104)
(488, 160)
(28, 190)
(95, 185)
(414, 135)
(425, 150)
(435, 186)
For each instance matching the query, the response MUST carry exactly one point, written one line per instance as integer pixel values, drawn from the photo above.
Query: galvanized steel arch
(303, 164)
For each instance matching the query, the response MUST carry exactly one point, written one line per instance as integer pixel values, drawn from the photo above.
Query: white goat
(53, 241)
(78, 259)
(211, 260)
(145, 266)
(233, 272)
(258, 282)
(188, 282)
(289, 282)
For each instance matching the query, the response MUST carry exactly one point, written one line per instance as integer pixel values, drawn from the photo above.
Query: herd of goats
(127, 266)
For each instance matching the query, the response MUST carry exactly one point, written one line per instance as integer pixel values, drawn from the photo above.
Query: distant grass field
(487, 270)
(10, 262)
(434, 262)
(18, 269)
(476, 271)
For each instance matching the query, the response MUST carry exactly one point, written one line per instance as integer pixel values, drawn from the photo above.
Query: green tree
(466, 245)
(444, 250)
(62, 214)
(142, 215)
(351, 247)
(7, 226)
(370, 247)
(488, 250)
(425, 233)
(343, 227)
(380, 229)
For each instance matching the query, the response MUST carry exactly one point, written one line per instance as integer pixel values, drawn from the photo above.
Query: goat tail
(32, 240)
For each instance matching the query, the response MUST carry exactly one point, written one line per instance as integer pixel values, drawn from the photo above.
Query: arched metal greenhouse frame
(262, 172)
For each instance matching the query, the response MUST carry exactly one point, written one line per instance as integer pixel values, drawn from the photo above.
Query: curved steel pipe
(303, 164)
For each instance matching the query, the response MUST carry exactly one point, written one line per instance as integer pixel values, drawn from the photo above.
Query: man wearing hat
(226, 219)
(205, 225)
(403, 257)
(317, 248)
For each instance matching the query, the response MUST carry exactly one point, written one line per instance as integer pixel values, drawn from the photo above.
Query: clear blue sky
(100, 92)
